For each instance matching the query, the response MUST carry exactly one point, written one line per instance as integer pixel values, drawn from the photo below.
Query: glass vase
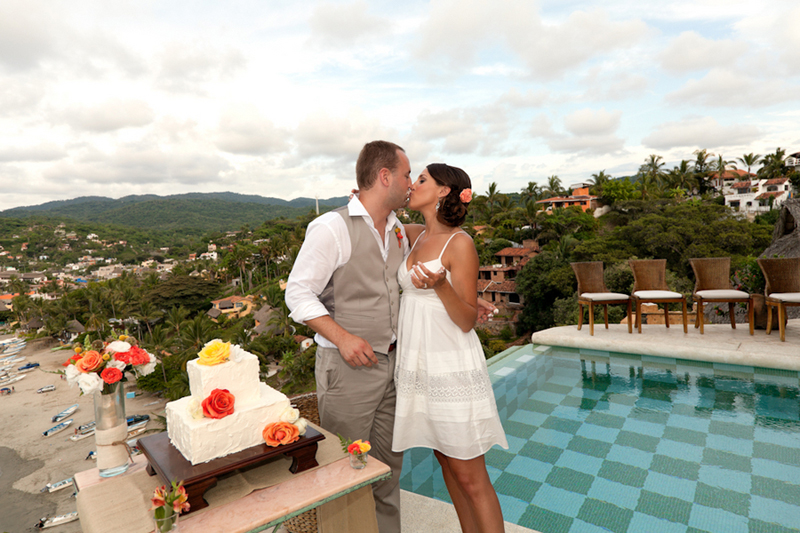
(168, 523)
(358, 460)
(111, 430)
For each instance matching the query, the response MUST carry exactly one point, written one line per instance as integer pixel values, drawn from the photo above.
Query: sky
(277, 97)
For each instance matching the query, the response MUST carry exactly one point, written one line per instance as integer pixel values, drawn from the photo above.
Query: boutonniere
(399, 237)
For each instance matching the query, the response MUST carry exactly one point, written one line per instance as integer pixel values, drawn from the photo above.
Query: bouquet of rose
(287, 430)
(357, 449)
(166, 503)
(97, 366)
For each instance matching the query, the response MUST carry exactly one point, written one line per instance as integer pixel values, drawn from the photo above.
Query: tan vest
(363, 295)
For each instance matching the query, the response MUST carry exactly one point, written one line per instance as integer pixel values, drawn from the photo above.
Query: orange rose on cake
(214, 352)
(279, 433)
(219, 404)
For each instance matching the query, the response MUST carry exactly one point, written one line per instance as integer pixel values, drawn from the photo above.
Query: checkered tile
(601, 441)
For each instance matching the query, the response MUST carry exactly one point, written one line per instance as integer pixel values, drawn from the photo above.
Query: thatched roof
(73, 326)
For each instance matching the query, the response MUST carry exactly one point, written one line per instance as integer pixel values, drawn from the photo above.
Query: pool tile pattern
(601, 441)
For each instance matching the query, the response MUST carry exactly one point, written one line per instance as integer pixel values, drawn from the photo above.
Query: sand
(28, 460)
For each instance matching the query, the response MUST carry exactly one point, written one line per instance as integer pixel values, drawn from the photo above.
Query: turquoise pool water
(603, 441)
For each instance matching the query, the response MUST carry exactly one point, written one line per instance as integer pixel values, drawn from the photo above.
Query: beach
(28, 460)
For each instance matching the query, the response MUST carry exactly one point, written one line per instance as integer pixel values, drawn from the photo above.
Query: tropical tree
(750, 160)
(681, 177)
(554, 187)
(702, 168)
(774, 165)
(530, 192)
(598, 181)
(175, 317)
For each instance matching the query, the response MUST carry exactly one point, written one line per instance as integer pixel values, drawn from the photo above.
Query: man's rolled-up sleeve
(319, 256)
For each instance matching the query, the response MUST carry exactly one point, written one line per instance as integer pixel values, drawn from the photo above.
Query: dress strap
(415, 242)
(448, 242)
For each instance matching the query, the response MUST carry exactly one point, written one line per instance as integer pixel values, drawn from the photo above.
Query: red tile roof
(776, 181)
(731, 174)
(515, 252)
(766, 195)
(741, 185)
(492, 286)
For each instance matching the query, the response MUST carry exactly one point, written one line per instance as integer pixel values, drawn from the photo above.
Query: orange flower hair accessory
(466, 196)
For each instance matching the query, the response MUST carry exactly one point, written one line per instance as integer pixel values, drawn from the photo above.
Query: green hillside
(197, 211)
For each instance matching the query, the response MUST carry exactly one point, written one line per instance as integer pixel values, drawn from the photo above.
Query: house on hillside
(496, 282)
(233, 307)
(729, 178)
(793, 161)
(580, 197)
(758, 196)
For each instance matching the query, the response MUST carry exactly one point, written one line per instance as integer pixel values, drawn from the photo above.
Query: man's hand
(485, 311)
(356, 351)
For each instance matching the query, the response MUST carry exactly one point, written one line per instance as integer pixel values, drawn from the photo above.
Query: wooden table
(166, 461)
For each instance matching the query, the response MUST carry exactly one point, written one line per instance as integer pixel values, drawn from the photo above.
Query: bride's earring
(438, 204)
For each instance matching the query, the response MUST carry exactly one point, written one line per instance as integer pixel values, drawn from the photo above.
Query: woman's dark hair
(452, 211)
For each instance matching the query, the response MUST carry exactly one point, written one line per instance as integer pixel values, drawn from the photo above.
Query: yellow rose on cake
(214, 353)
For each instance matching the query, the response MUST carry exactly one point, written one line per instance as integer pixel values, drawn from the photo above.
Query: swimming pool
(604, 441)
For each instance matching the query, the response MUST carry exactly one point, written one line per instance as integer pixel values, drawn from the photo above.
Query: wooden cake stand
(166, 461)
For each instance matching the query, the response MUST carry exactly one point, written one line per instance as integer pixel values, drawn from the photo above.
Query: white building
(758, 196)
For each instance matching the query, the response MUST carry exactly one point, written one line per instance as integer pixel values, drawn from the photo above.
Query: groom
(344, 287)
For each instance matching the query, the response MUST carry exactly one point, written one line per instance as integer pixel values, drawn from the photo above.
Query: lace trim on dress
(450, 387)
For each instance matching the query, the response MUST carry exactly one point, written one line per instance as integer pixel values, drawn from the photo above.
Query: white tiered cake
(256, 405)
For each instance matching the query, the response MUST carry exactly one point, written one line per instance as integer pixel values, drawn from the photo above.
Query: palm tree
(721, 167)
(492, 197)
(774, 165)
(554, 186)
(160, 345)
(530, 192)
(682, 177)
(175, 318)
(147, 313)
(196, 333)
(750, 160)
(598, 180)
(651, 175)
(702, 167)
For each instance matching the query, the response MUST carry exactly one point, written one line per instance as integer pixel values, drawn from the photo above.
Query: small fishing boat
(46, 388)
(28, 367)
(6, 390)
(65, 413)
(12, 379)
(134, 430)
(46, 522)
(87, 427)
(59, 427)
(80, 436)
(12, 360)
(63, 484)
(92, 455)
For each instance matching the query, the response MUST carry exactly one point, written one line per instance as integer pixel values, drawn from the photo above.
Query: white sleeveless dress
(445, 399)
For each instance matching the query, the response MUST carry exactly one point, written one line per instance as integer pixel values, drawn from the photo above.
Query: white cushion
(791, 297)
(656, 295)
(718, 294)
(604, 296)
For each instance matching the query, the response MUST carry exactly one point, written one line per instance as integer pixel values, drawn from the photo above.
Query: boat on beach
(53, 521)
(6, 390)
(59, 427)
(11, 361)
(12, 379)
(65, 413)
(87, 430)
(63, 484)
(46, 388)
(28, 367)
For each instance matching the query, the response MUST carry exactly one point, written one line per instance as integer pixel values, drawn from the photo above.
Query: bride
(445, 399)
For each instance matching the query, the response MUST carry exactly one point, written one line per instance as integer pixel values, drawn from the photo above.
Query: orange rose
(279, 433)
(90, 362)
(111, 375)
(219, 404)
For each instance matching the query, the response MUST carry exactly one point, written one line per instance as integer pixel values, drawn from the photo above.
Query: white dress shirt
(325, 249)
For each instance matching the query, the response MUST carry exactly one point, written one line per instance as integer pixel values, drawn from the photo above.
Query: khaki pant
(359, 403)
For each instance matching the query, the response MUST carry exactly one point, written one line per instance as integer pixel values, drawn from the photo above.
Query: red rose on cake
(219, 404)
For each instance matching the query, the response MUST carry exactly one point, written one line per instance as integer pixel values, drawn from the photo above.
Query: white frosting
(240, 378)
(205, 439)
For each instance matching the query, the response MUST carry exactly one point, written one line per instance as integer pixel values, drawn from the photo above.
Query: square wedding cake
(203, 438)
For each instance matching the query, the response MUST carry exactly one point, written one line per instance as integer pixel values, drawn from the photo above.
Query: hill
(200, 211)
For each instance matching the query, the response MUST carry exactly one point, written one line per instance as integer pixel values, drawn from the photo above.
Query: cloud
(37, 153)
(26, 34)
(343, 25)
(243, 130)
(110, 115)
(187, 67)
(591, 132)
(604, 84)
(724, 88)
(141, 163)
(700, 132)
(529, 98)
(690, 51)
(320, 134)
(464, 131)
(458, 30)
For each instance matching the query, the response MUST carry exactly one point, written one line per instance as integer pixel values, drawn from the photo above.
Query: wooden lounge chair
(592, 291)
(650, 286)
(782, 289)
(713, 285)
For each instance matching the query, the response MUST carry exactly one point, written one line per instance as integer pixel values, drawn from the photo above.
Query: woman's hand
(422, 278)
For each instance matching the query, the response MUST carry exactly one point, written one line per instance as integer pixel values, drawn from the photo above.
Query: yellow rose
(123, 337)
(214, 353)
